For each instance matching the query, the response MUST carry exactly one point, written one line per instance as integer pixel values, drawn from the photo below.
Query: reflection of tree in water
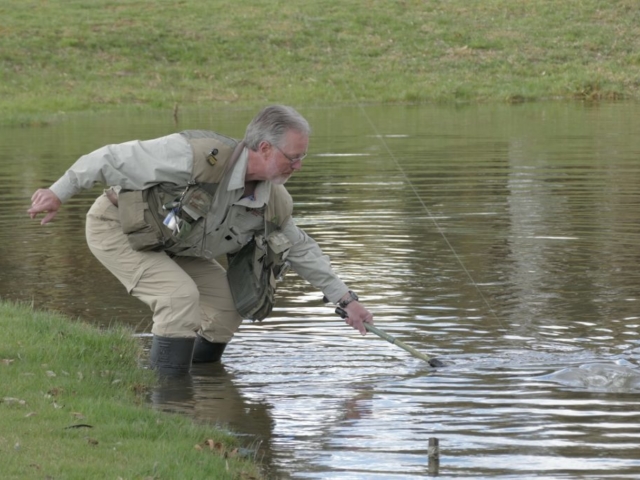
(210, 395)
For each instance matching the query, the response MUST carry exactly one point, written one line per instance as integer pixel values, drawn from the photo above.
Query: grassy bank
(67, 55)
(72, 406)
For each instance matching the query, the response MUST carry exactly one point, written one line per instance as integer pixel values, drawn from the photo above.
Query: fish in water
(597, 376)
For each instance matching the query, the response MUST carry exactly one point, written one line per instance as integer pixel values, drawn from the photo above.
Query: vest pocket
(196, 204)
(139, 222)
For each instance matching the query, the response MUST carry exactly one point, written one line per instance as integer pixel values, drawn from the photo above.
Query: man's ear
(264, 149)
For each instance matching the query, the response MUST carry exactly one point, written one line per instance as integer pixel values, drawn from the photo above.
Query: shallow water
(501, 239)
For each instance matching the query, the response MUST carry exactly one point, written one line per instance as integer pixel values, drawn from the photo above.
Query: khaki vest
(202, 205)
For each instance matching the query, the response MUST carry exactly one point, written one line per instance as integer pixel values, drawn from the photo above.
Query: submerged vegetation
(60, 55)
(73, 405)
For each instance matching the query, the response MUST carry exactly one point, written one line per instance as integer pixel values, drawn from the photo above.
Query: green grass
(57, 373)
(70, 55)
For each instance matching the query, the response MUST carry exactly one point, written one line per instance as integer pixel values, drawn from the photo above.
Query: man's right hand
(44, 200)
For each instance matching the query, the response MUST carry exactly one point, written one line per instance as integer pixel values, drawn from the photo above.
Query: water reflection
(211, 395)
(502, 239)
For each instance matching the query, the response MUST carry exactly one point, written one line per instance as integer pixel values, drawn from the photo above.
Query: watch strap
(344, 303)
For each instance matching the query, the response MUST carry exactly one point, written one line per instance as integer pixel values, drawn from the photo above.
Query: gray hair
(271, 125)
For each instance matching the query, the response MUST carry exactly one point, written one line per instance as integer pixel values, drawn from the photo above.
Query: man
(178, 202)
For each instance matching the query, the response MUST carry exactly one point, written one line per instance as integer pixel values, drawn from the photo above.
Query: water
(501, 239)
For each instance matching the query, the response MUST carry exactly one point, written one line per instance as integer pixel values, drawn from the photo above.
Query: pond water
(501, 239)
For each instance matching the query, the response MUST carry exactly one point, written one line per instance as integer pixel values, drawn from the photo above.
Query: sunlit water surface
(501, 239)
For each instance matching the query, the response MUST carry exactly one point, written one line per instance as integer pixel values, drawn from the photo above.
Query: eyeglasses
(292, 160)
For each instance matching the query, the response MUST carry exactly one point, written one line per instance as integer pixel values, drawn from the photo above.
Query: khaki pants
(186, 294)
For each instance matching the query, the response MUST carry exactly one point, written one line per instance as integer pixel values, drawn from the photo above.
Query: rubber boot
(171, 357)
(206, 351)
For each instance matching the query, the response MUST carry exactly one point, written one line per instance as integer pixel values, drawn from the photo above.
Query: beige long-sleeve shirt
(137, 165)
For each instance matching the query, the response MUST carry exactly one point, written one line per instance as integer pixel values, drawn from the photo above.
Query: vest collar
(236, 182)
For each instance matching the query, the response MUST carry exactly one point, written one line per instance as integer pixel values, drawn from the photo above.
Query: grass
(71, 55)
(72, 405)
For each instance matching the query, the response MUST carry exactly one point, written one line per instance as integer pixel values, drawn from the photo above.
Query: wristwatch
(344, 303)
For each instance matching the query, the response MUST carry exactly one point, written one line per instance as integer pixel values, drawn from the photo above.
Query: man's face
(286, 159)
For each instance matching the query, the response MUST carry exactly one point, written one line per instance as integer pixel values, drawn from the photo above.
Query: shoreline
(73, 405)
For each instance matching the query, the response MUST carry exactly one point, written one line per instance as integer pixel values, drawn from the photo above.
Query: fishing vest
(200, 207)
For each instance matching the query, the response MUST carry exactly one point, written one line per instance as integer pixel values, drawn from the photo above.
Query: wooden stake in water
(434, 456)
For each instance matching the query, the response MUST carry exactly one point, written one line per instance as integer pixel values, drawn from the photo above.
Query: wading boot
(206, 351)
(171, 357)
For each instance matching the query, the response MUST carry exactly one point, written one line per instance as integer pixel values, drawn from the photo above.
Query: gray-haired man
(176, 203)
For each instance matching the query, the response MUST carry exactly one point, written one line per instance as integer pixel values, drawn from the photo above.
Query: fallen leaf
(198, 447)
(51, 373)
(12, 400)
(7, 361)
(31, 414)
(92, 441)
(78, 415)
(139, 389)
(79, 425)
(214, 445)
(55, 391)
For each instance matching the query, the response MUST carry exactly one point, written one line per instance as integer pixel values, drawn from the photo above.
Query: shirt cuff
(335, 291)
(63, 189)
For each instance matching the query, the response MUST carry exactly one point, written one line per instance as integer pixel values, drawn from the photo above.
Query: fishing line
(428, 211)
(424, 205)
